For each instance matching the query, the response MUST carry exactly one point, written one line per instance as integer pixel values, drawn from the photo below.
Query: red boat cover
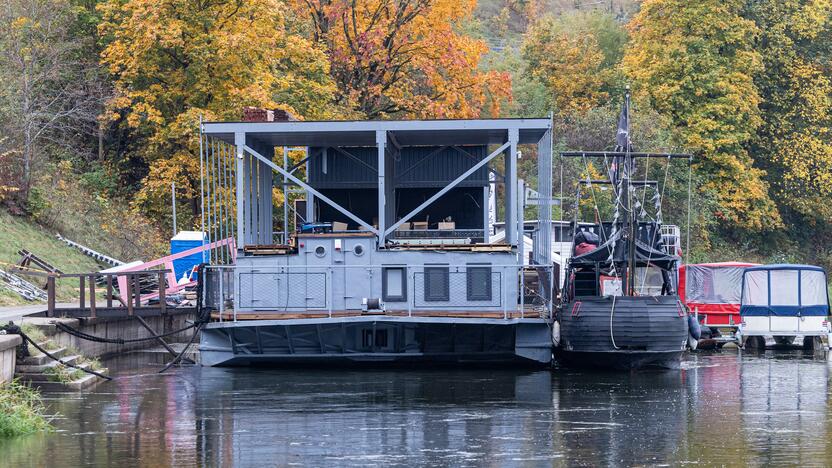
(714, 289)
(583, 248)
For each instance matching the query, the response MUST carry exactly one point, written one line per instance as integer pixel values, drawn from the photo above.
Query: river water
(722, 408)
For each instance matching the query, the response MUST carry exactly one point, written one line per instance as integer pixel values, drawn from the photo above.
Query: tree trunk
(101, 141)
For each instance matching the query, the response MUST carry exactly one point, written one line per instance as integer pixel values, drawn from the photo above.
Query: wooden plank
(129, 298)
(162, 303)
(109, 290)
(334, 234)
(50, 296)
(81, 291)
(271, 252)
(92, 296)
(252, 248)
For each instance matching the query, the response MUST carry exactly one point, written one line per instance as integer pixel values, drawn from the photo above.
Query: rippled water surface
(723, 408)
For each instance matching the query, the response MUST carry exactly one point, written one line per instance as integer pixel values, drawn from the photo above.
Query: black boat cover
(617, 246)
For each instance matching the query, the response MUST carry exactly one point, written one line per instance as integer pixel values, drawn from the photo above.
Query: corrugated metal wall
(332, 169)
(417, 166)
(435, 166)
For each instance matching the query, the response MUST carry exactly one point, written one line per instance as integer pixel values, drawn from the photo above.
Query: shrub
(21, 410)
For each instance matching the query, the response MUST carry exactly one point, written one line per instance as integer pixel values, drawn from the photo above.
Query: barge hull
(646, 331)
(377, 340)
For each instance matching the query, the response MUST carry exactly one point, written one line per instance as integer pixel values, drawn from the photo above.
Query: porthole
(320, 251)
(358, 250)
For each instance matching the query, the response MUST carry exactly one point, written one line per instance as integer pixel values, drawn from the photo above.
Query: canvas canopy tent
(713, 291)
(784, 301)
(785, 290)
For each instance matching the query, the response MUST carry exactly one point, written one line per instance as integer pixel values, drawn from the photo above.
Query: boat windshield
(649, 281)
(713, 285)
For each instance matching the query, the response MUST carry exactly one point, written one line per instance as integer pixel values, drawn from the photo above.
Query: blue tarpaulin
(784, 291)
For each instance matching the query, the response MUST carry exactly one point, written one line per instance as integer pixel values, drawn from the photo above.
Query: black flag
(622, 137)
(622, 140)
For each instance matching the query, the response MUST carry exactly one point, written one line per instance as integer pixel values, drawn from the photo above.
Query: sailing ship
(620, 306)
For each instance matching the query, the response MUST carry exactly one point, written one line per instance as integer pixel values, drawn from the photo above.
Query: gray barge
(385, 253)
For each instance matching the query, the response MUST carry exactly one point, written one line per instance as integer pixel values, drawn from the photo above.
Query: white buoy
(556, 334)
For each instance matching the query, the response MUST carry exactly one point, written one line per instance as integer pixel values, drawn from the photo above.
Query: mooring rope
(182, 353)
(85, 336)
(612, 313)
(14, 329)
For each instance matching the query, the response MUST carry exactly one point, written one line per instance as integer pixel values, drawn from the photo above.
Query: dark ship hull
(641, 331)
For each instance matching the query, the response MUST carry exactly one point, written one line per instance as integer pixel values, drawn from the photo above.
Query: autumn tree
(576, 57)
(173, 61)
(695, 63)
(45, 97)
(394, 58)
(794, 141)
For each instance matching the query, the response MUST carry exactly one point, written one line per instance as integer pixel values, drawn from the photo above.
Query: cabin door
(357, 277)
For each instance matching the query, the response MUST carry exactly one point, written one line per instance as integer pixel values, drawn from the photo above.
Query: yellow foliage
(176, 60)
(695, 62)
(795, 139)
(570, 63)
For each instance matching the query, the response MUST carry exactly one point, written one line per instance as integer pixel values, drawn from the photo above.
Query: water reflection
(722, 408)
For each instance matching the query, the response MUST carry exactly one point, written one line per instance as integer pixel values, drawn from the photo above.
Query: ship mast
(632, 223)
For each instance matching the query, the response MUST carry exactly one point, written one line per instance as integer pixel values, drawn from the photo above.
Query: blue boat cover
(784, 291)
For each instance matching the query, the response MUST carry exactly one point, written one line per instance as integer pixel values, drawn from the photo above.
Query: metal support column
(285, 191)
(486, 224)
(511, 187)
(264, 174)
(381, 144)
(543, 255)
(240, 143)
(310, 197)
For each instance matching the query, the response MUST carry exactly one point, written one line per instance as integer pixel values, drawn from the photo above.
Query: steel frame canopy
(363, 132)
(255, 139)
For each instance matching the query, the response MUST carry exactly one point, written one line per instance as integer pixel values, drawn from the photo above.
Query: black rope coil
(181, 354)
(14, 329)
(203, 314)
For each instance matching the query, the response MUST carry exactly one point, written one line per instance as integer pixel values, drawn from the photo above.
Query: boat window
(394, 284)
(756, 288)
(784, 287)
(649, 281)
(813, 288)
(713, 285)
(437, 287)
(479, 282)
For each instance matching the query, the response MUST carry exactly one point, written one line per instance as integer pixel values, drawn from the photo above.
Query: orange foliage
(404, 58)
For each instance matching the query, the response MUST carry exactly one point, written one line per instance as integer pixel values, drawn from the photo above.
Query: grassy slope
(17, 233)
